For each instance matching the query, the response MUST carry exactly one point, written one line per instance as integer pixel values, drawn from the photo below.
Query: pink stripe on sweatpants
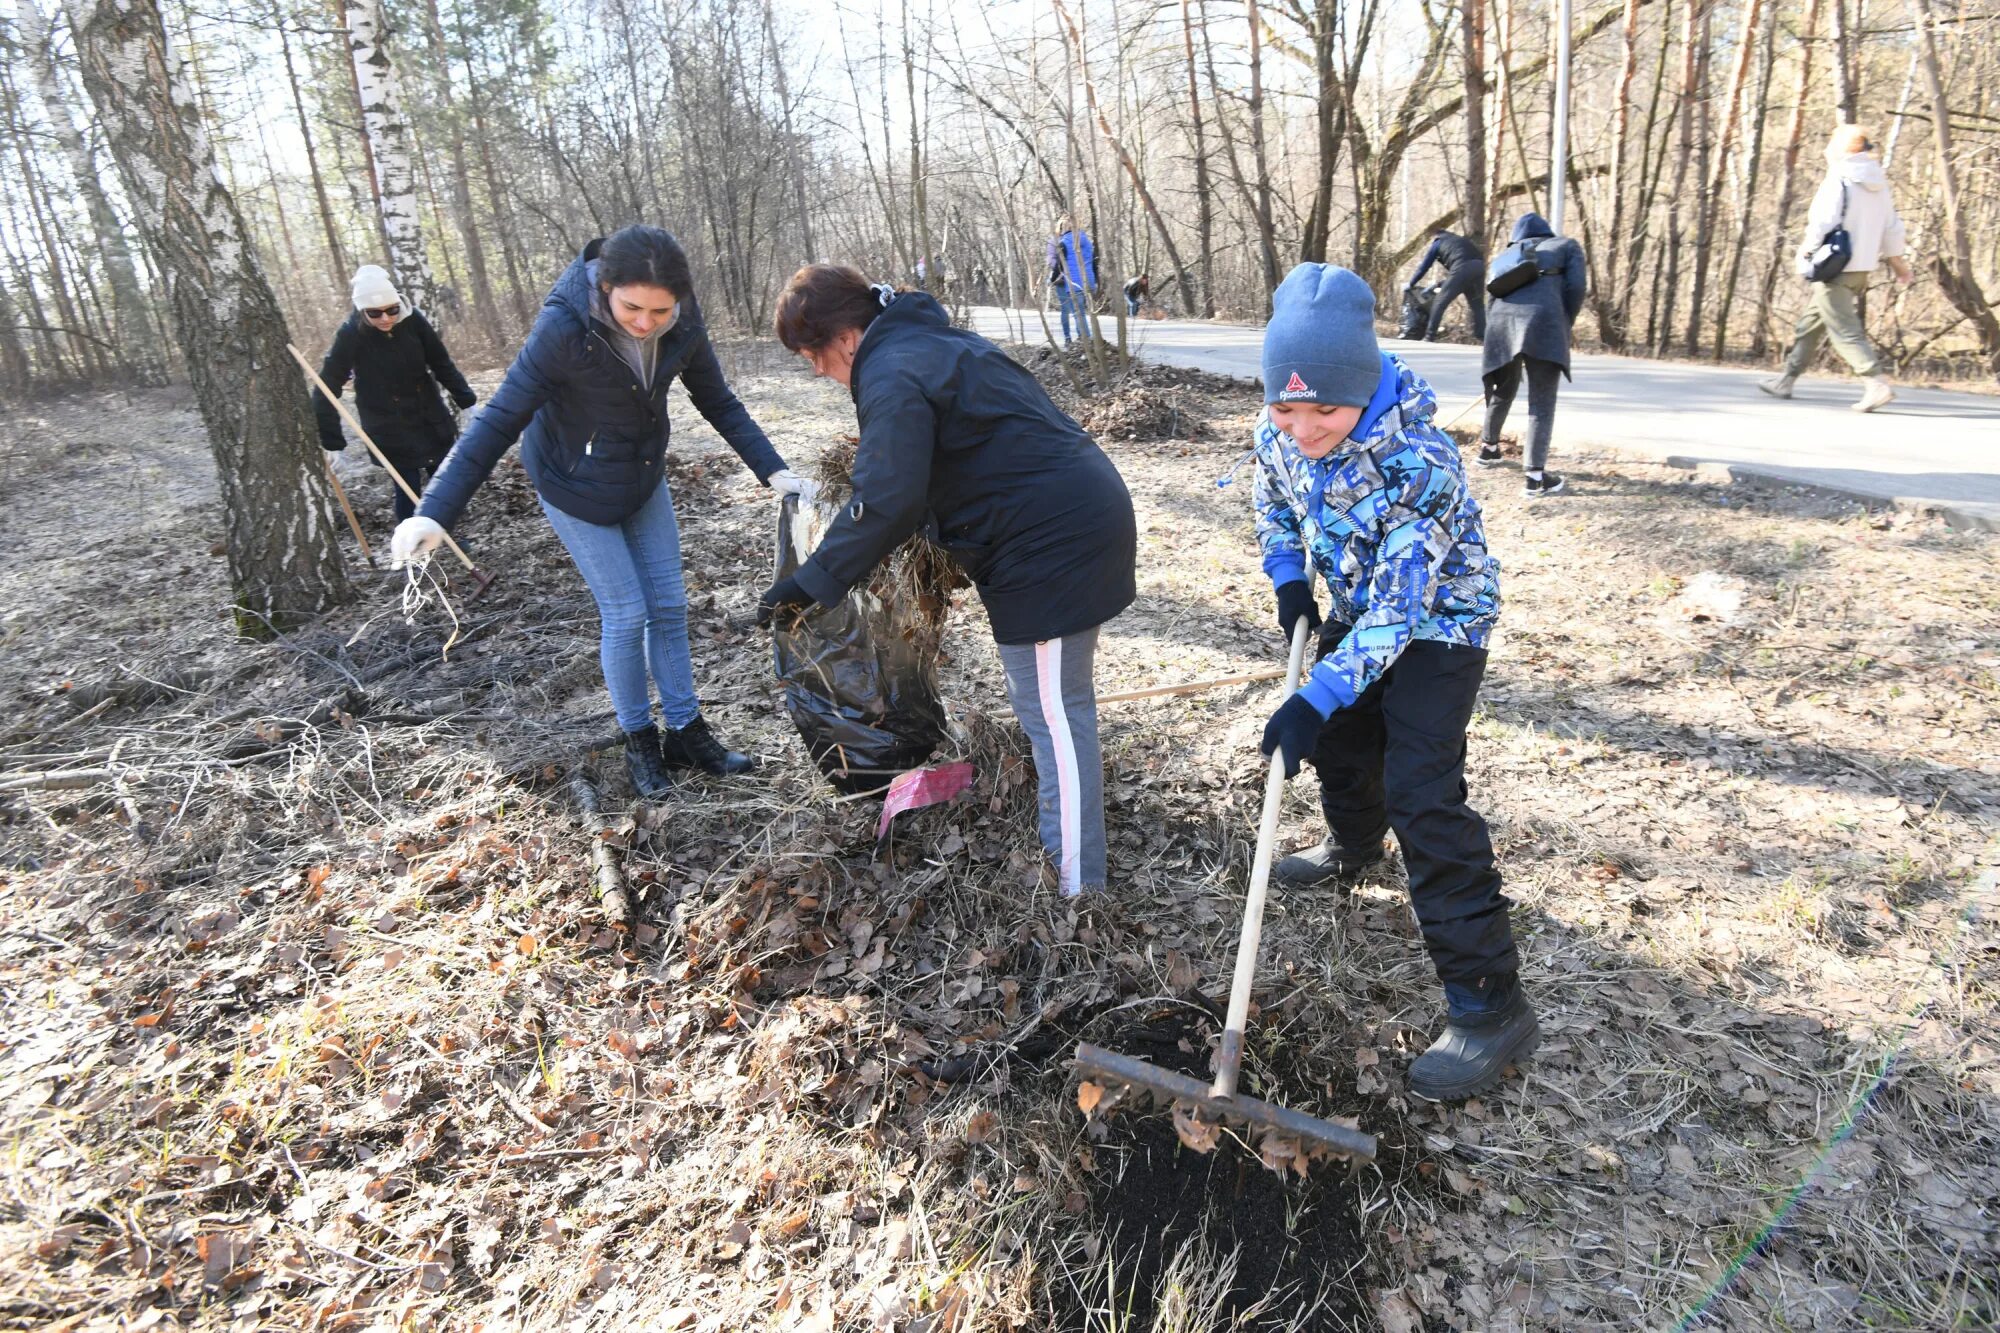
(1048, 679)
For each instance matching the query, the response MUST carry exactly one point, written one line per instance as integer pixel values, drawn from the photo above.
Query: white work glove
(787, 482)
(414, 537)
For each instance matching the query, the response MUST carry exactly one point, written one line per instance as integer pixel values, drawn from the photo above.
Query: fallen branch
(610, 877)
(62, 779)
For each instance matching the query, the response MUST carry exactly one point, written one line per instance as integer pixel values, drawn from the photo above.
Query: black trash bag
(1417, 303)
(860, 681)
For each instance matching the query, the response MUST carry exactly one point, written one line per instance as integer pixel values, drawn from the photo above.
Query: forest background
(475, 145)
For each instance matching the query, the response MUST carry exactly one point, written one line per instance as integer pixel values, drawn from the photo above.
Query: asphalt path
(1931, 449)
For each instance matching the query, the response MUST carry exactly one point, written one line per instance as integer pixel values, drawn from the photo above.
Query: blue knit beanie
(1320, 345)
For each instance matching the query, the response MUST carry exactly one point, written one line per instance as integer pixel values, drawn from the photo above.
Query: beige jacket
(1870, 217)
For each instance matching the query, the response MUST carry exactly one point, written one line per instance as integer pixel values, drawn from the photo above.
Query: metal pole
(1559, 148)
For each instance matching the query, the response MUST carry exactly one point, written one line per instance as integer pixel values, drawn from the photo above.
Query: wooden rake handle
(1229, 1059)
(387, 466)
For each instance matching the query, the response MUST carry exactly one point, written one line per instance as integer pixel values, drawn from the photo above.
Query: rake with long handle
(340, 494)
(481, 579)
(1220, 1096)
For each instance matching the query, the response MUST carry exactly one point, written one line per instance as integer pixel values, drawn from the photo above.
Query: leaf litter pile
(314, 1017)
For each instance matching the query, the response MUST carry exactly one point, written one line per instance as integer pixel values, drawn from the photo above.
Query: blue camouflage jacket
(1391, 528)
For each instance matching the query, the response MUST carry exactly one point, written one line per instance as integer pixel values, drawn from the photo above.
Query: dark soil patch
(1299, 1253)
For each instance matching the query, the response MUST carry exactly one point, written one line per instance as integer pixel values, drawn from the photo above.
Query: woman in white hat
(398, 364)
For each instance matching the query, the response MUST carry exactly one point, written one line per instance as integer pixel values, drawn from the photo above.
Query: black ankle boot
(695, 746)
(650, 778)
(1490, 1027)
(1328, 863)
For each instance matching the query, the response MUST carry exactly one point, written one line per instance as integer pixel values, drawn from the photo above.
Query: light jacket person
(1355, 480)
(959, 438)
(1855, 195)
(587, 398)
(1528, 335)
(398, 363)
(1464, 275)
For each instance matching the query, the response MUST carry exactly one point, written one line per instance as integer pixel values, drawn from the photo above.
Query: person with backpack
(957, 437)
(1464, 273)
(398, 363)
(1073, 273)
(1537, 284)
(1851, 228)
(587, 397)
(1136, 291)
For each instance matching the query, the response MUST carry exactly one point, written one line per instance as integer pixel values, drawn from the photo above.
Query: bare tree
(284, 560)
(1955, 274)
(390, 143)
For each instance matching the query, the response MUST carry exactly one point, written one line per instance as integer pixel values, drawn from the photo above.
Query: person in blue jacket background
(1073, 273)
(1355, 480)
(959, 438)
(587, 398)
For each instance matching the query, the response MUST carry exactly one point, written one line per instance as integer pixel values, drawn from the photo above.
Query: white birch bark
(284, 558)
(390, 139)
(138, 348)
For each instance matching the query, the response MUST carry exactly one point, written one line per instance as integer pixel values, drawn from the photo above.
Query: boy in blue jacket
(1352, 475)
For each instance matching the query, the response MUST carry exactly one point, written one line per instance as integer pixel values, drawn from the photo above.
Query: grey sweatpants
(1501, 386)
(1049, 683)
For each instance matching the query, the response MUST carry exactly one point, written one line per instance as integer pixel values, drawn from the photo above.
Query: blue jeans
(633, 569)
(1071, 300)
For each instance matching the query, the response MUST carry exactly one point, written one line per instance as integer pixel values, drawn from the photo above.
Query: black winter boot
(695, 746)
(650, 778)
(1490, 1027)
(1328, 863)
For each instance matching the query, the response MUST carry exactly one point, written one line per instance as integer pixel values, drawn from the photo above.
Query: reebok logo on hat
(1295, 388)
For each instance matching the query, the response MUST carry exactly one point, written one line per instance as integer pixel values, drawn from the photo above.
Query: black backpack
(1521, 263)
(1829, 260)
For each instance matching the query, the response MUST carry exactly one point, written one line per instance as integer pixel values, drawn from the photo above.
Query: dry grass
(334, 1035)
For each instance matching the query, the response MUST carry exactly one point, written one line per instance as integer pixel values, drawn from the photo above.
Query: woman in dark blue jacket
(586, 397)
(957, 436)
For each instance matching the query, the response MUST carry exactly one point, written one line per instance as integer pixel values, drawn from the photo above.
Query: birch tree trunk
(284, 560)
(389, 140)
(139, 349)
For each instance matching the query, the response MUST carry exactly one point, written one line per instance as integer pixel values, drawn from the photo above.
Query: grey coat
(1535, 320)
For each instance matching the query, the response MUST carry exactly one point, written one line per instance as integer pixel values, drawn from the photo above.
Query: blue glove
(1294, 727)
(1295, 599)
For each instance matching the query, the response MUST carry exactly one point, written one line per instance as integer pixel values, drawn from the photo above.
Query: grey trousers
(1049, 683)
(1502, 384)
(1835, 311)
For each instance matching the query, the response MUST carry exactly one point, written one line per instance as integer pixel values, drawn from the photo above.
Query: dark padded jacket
(396, 377)
(1535, 320)
(1453, 251)
(593, 440)
(956, 435)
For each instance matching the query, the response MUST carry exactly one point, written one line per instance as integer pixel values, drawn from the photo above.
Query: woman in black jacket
(956, 435)
(1528, 332)
(398, 363)
(587, 398)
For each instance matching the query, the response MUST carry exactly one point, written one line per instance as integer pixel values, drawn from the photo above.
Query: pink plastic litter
(921, 787)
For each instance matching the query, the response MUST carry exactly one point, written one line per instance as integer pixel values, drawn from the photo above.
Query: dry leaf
(1088, 1095)
(980, 1127)
(1195, 1133)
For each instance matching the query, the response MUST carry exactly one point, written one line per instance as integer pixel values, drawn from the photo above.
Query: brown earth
(311, 1018)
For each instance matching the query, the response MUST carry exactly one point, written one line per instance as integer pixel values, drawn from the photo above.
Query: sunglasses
(382, 312)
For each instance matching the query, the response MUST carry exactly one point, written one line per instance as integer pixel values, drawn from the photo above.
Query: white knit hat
(374, 288)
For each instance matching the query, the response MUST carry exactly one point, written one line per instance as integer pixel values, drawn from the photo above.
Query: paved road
(1929, 449)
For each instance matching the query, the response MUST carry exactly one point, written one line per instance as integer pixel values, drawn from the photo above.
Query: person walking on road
(956, 435)
(1528, 336)
(587, 396)
(1073, 273)
(1855, 198)
(1355, 479)
(1464, 275)
(398, 363)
